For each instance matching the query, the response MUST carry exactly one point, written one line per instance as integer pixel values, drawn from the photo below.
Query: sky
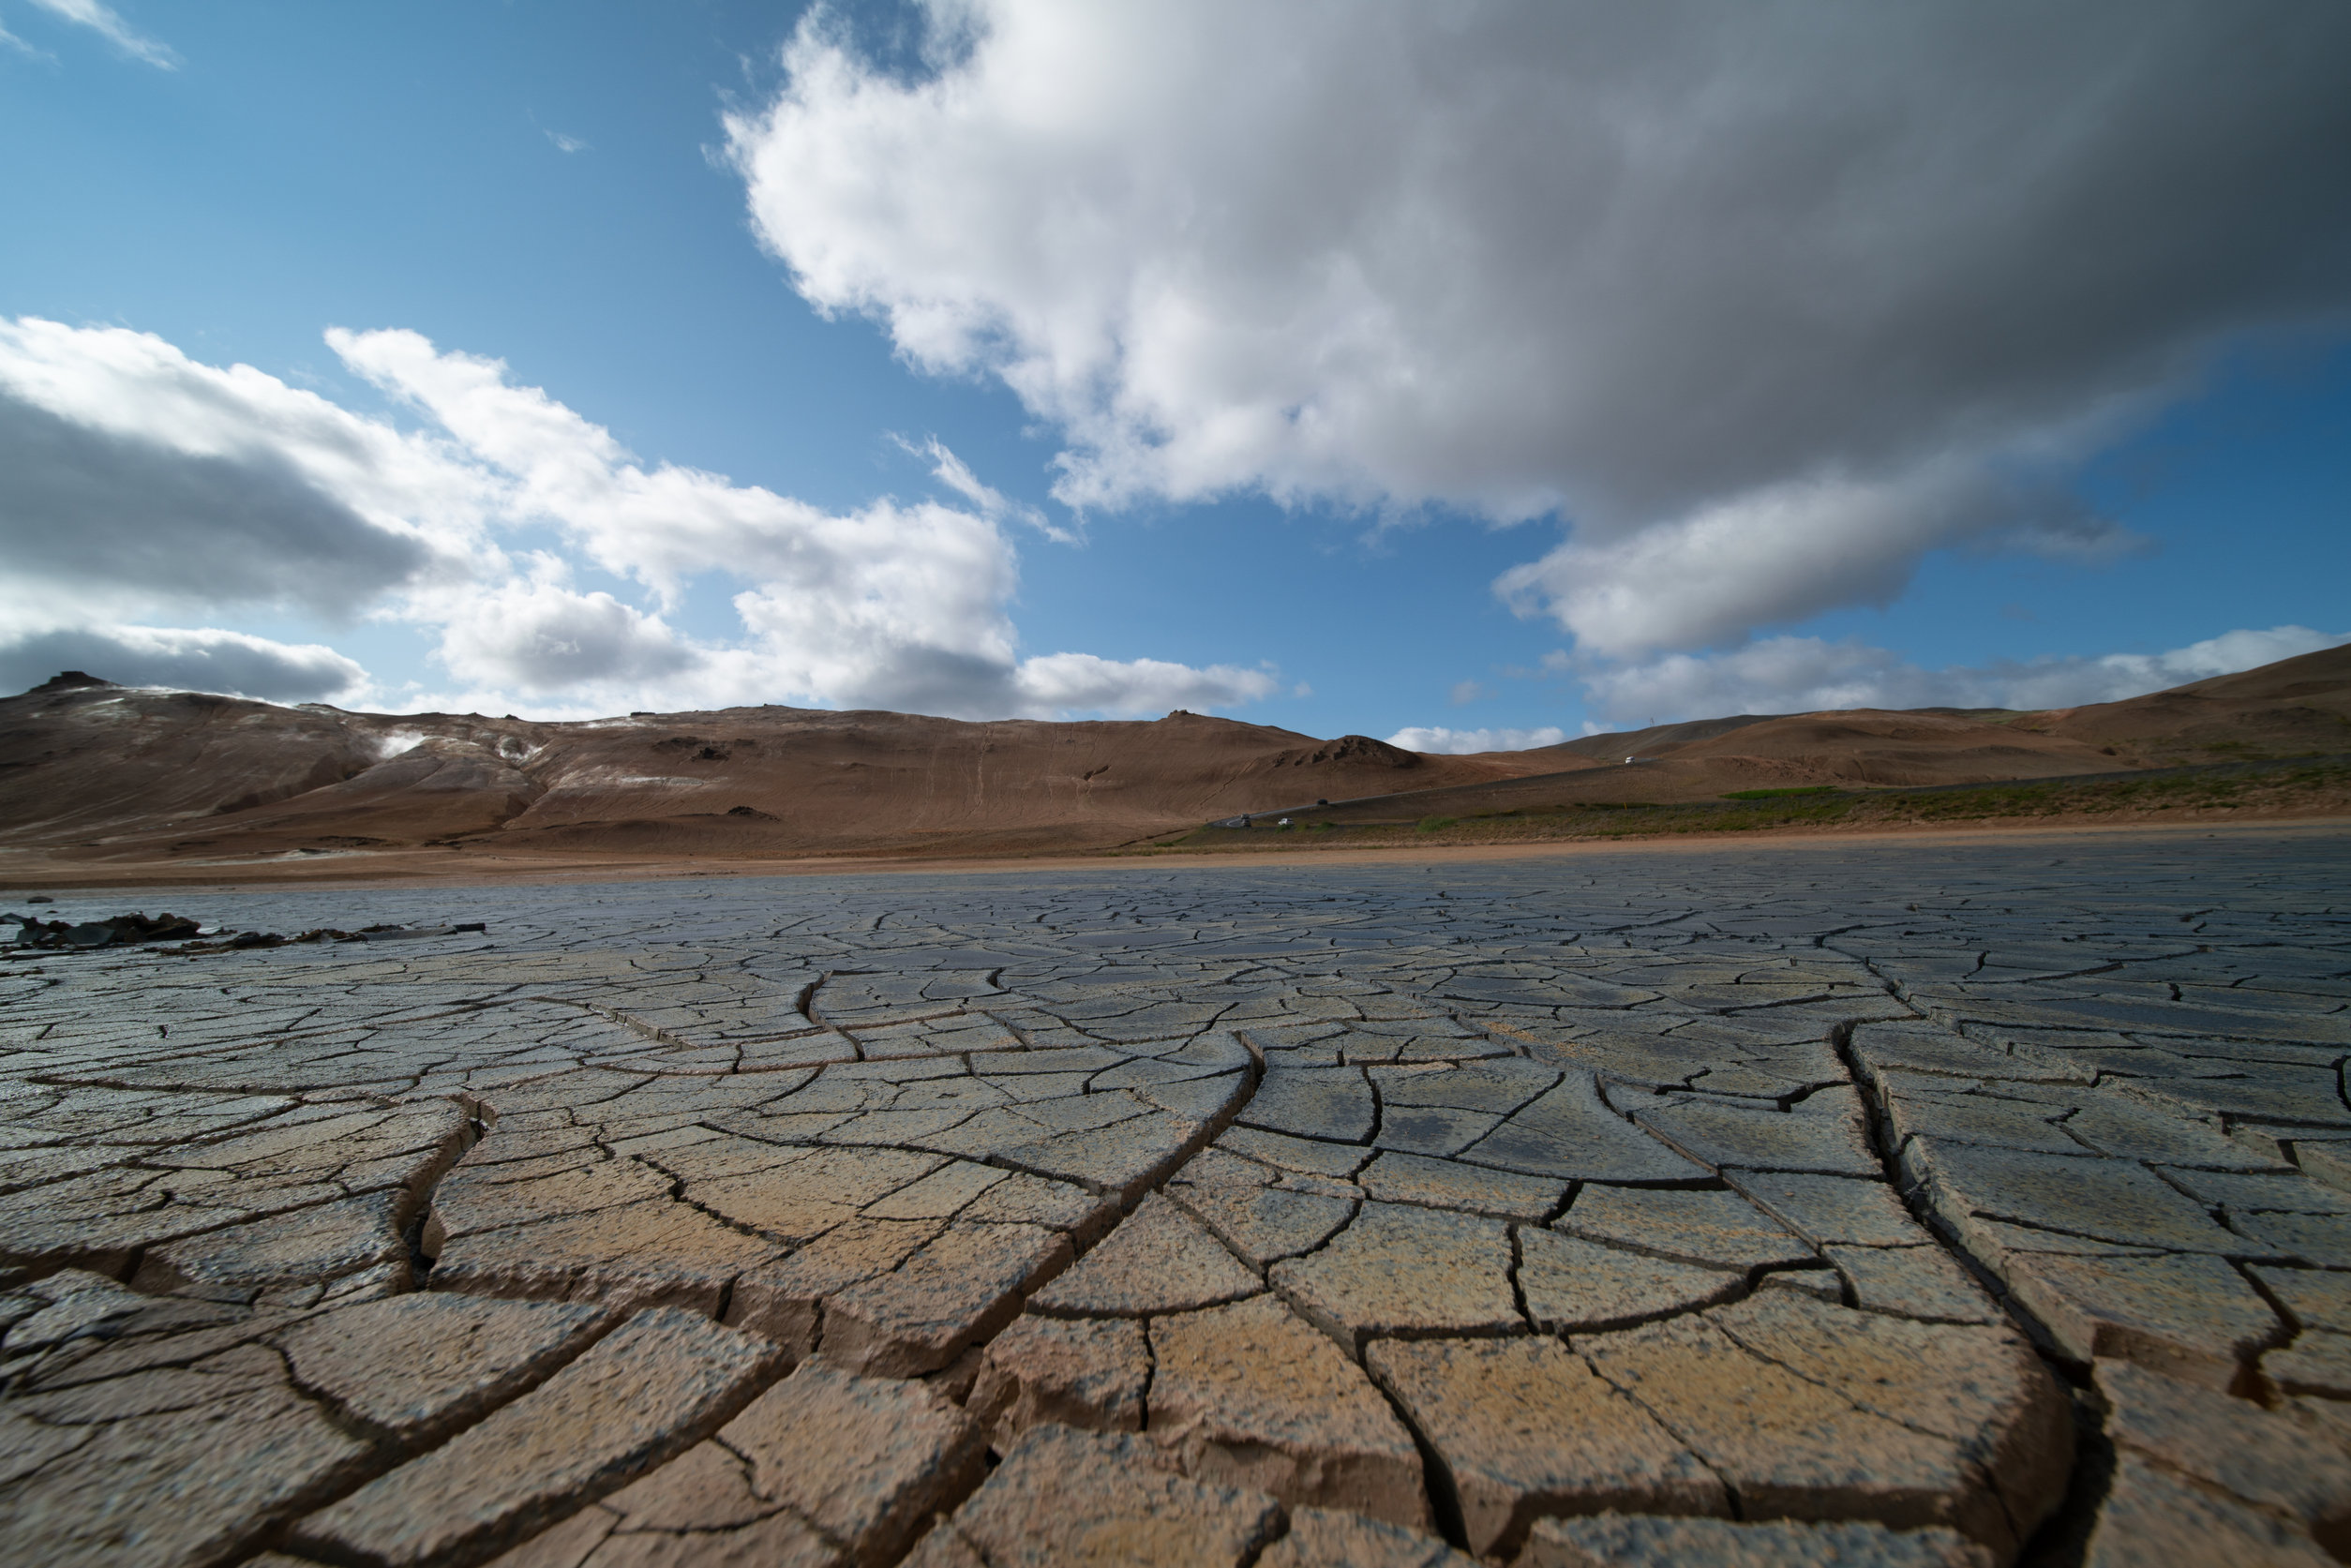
(1473, 375)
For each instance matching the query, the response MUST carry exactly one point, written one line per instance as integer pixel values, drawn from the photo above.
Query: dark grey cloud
(195, 660)
(137, 483)
(94, 511)
(1881, 233)
(1840, 267)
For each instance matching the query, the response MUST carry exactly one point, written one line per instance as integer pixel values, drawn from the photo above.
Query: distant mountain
(98, 775)
(119, 774)
(2295, 706)
(1648, 742)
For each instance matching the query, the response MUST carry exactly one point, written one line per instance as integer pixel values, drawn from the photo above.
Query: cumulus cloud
(894, 605)
(132, 478)
(117, 516)
(1769, 298)
(107, 22)
(1461, 743)
(204, 659)
(1081, 680)
(1796, 675)
(543, 637)
(1785, 553)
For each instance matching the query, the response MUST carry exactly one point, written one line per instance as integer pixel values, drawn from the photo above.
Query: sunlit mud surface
(1917, 1203)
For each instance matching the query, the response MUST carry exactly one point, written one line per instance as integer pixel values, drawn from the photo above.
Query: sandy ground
(24, 872)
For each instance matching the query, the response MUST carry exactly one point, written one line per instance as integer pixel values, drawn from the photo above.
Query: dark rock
(1350, 748)
(89, 934)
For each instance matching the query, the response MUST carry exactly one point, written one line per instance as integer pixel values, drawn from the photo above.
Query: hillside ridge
(97, 773)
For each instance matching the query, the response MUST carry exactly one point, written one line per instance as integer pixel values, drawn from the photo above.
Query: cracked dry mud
(1867, 1206)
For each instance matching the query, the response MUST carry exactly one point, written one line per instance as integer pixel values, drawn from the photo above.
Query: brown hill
(1861, 747)
(2294, 706)
(103, 776)
(117, 773)
(1609, 749)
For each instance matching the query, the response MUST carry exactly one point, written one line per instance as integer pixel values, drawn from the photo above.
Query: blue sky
(1544, 394)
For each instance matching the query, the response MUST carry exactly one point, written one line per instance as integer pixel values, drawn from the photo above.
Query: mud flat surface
(1940, 1202)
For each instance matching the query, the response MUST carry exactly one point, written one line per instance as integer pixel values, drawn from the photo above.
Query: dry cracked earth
(1864, 1205)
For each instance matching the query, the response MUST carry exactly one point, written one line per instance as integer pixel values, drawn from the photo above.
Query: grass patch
(2303, 787)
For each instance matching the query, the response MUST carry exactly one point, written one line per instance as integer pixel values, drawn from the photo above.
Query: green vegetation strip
(2302, 788)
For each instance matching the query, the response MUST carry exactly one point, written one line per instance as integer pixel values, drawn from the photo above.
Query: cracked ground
(1866, 1204)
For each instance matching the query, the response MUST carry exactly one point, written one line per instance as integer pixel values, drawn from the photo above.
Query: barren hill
(2297, 705)
(118, 773)
(1862, 745)
(117, 779)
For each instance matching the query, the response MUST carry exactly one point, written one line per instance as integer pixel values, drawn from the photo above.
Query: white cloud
(1463, 693)
(1771, 297)
(1783, 554)
(542, 637)
(1057, 681)
(135, 482)
(132, 478)
(1461, 743)
(568, 143)
(1797, 675)
(994, 505)
(201, 660)
(106, 21)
